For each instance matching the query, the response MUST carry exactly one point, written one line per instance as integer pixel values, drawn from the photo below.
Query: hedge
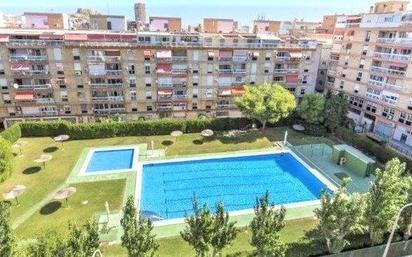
(6, 159)
(382, 153)
(131, 128)
(12, 133)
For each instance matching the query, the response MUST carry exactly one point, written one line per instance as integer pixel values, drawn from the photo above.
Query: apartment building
(212, 25)
(86, 75)
(140, 13)
(265, 27)
(371, 64)
(45, 20)
(108, 22)
(165, 24)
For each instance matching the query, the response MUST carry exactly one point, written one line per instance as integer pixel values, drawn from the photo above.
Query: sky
(192, 11)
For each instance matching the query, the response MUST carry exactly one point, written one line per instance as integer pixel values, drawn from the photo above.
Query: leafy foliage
(205, 231)
(7, 161)
(7, 242)
(266, 227)
(48, 245)
(386, 196)
(266, 103)
(312, 107)
(339, 215)
(137, 235)
(12, 133)
(336, 108)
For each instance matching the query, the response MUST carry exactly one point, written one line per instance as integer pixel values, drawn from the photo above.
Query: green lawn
(41, 182)
(175, 247)
(56, 214)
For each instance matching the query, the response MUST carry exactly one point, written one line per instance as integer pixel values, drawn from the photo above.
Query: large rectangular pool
(168, 188)
(110, 160)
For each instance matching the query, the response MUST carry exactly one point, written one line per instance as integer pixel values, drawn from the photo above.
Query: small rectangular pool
(110, 160)
(168, 188)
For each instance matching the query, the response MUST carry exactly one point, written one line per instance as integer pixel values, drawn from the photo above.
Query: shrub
(12, 133)
(6, 159)
(131, 128)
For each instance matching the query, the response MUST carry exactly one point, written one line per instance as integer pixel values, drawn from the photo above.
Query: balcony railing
(388, 71)
(398, 40)
(28, 57)
(111, 110)
(285, 71)
(34, 87)
(239, 58)
(101, 58)
(395, 57)
(30, 73)
(239, 71)
(378, 83)
(44, 100)
(106, 85)
(179, 58)
(108, 98)
(165, 85)
(107, 73)
(331, 73)
(225, 59)
(179, 71)
(225, 71)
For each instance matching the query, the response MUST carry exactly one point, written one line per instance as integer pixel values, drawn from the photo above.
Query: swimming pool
(110, 160)
(167, 188)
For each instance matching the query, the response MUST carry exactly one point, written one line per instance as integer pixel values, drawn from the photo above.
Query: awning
(225, 92)
(296, 55)
(51, 36)
(75, 37)
(4, 38)
(211, 54)
(292, 78)
(238, 90)
(19, 66)
(225, 54)
(147, 53)
(164, 54)
(24, 96)
(165, 92)
(164, 68)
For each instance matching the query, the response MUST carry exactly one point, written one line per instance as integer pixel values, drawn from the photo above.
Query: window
(57, 53)
(63, 96)
(195, 92)
(194, 106)
(147, 69)
(389, 113)
(148, 81)
(109, 25)
(371, 108)
(209, 68)
(359, 77)
(80, 86)
(302, 91)
(76, 54)
(148, 95)
(365, 50)
(83, 108)
(149, 108)
(131, 69)
(368, 36)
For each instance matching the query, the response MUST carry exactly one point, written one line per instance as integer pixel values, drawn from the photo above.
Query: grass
(55, 215)
(294, 231)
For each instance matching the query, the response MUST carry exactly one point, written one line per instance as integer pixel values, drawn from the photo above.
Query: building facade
(108, 22)
(212, 25)
(165, 24)
(371, 65)
(265, 27)
(45, 20)
(140, 13)
(87, 75)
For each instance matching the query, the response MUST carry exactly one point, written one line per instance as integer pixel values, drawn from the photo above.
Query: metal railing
(395, 57)
(388, 71)
(286, 71)
(108, 98)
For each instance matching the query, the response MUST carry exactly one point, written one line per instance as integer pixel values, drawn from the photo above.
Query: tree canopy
(336, 109)
(266, 103)
(312, 108)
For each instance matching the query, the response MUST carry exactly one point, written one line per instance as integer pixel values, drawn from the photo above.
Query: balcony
(100, 58)
(44, 100)
(388, 71)
(33, 73)
(239, 71)
(392, 57)
(179, 97)
(105, 85)
(398, 41)
(225, 59)
(34, 87)
(110, 111)
(165, 85)
(225, 71)
(387, 85)
(179, 58)
(28, 57)
(331, 73)
(110, 73)
(239, 58)
(179, 71)
(286, 71)
(108, 98)
(330, 84)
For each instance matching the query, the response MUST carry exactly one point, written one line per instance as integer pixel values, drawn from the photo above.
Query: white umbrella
(62, 138)
(207, 133)
(176, 134)
(14, 193)
(43, 159)
(64, 194)
(19, 145)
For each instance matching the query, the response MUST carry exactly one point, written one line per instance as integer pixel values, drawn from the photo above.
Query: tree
(223, 231)
(198, 230)
(266, 103)
(137, 235)
(91, 234)
(386, 196)
(406, 218)
(48, 245)
(339, 215)
(311, 108)
(7, 243)
(336, 109)
(265, 227)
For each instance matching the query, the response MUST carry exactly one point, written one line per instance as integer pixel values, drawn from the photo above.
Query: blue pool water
(110, 160)
(168, 188)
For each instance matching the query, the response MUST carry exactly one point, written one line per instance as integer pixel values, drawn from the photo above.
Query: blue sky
(192, 10)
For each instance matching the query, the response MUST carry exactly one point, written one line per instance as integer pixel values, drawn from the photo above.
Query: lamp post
(388, 244)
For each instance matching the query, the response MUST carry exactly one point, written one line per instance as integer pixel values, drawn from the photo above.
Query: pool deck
(314, 157)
